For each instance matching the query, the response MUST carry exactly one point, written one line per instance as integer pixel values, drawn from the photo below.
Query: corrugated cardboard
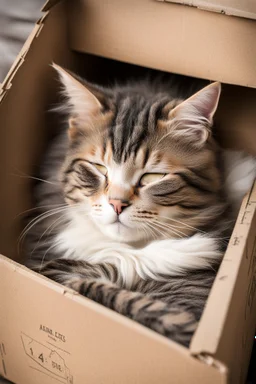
(50, 334)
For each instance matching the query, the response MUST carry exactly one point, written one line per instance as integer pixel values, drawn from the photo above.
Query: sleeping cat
(134, 212)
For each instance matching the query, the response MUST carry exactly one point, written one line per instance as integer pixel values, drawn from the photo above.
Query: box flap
(26, 127)
(7, 82)
(228, 323)
(245, 8)
(215, 47)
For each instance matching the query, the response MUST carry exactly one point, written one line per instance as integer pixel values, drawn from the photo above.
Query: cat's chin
(120, 232)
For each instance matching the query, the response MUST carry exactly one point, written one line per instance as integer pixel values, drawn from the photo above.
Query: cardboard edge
(6, 85)
(247, 201)
(211, 361)
(209, 347)
(252, 195)
(228, 11)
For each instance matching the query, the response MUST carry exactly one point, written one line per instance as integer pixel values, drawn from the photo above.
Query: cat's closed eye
(148, 178)
(101, 168)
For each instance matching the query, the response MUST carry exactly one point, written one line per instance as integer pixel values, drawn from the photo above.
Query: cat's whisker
(144, 228)
(42, 215)
(60, 220)
(40, 207)
(156, 229)
(45, 215)
(44, 256)
(182, 223)
(38, 219)
(153, 230)
(34, 178)
(167, 229)
(56, 222)
(50, 227)
(168, 224)
(171, 227)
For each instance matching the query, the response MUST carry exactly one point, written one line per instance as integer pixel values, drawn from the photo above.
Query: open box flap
(240, 8)
(215, 47)
(7, 83)
(220, 332)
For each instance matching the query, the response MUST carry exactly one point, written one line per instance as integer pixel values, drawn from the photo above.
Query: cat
(134, 211)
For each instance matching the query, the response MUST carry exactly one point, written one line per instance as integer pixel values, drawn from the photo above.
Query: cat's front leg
(67, 272)
(168, 320)
(94, 282)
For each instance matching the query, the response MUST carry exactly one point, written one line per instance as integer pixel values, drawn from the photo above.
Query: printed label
(49, 360)
(53, 333)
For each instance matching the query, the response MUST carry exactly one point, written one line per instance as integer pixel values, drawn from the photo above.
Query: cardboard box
(48, 333)
(179, 39)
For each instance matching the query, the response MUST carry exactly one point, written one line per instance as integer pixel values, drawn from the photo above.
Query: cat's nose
(118, 205)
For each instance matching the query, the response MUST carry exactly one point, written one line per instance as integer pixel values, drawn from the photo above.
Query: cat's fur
(147, 246)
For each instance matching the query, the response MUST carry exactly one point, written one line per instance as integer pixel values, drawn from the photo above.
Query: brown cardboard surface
(238, 8)
(84, 342)
(229, 319)
(72, 339)
(23, 114)
(7, 83)
(168, 37)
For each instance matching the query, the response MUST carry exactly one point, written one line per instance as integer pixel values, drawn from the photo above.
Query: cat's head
(142, 166)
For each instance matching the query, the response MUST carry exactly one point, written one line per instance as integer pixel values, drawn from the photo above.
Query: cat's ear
(193, 118)
(83, 104)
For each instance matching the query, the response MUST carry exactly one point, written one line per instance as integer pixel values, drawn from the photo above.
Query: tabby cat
(134, 212)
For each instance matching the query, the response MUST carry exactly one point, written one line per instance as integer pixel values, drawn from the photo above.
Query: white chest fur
(83, 241)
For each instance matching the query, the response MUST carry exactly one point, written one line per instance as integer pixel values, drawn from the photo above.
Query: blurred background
(17, 18)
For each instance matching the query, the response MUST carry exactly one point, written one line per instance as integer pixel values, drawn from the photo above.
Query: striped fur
(171, 307)
(148, 250)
